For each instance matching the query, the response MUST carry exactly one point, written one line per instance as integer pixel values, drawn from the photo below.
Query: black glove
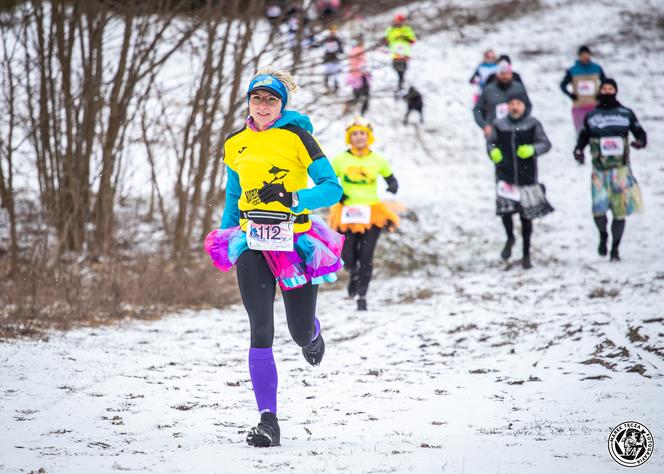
(573, 96)
(578, 156)
(343, 198)
(392, 184)
(638, 144)
(275, 192)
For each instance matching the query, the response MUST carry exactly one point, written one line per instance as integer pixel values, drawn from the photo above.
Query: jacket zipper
(516, 170)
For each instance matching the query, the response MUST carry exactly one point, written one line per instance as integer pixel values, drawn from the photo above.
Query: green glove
(496, 155)
(525, 151)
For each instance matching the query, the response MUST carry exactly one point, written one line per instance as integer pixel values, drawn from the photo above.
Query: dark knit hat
(583, 49)
(610, 81)
(517, 95)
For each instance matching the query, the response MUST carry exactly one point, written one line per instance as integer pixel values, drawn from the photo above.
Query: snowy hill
(465, 365)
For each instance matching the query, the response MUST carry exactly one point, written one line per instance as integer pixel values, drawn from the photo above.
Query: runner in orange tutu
(360, 215)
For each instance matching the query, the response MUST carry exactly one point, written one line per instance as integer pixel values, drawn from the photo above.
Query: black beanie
(610, 81)
(583, 49)
(517, 95)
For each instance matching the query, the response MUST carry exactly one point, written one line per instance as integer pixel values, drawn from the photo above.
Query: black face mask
(607, 100)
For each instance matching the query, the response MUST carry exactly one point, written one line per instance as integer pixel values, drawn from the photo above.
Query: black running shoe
(361, 304)
(615, 256)
(507, 249)
(267, 433)
(601, 249)
(313, 352)
(525, 262)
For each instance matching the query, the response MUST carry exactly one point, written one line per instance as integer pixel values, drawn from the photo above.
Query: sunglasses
(268, 99)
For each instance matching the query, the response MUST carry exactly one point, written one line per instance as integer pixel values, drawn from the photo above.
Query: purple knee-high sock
(316, 328)
(264, 378)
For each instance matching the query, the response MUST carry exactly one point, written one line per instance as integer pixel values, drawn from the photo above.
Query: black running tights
(617, 229)
(526, 231)
(400, 66)
(257, 289)
(357, 255)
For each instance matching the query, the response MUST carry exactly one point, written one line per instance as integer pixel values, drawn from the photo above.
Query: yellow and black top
(277, 155)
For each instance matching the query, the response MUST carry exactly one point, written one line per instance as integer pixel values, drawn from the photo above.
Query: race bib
(400, 48)
(508, 191)
(270, 236)
(586, 88)
(501, 110)
(331, 47)
(273, 11)
(356, 215)
(611, 146)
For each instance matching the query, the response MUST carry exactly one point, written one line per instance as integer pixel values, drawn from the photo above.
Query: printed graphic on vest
(277, 174)
(358, 175)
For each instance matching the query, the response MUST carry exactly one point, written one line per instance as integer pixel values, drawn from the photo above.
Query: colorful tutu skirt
(316, 256)
(382, 215)
(615, 189)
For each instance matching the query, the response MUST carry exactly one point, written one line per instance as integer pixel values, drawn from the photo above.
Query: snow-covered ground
(466, 365)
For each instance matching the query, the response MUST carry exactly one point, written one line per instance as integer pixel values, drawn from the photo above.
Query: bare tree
(142, 53)
(8, 144)
(82, 91)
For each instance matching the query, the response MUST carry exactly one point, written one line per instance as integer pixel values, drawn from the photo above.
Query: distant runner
(614, 187)
(585, 77)
(486, 68)
(399, 38)
(361, 215)
(515, 143)
(333, 48)
(492, 103)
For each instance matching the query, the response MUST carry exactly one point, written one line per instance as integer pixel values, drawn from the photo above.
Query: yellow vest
(399, 40)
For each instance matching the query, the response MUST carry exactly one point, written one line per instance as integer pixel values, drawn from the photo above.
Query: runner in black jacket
(613, 185)
(492, 103)
(514, 145)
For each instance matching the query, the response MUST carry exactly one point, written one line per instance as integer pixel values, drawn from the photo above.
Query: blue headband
(270, 84)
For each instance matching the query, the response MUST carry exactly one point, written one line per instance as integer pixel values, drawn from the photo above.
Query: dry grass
(91, 294)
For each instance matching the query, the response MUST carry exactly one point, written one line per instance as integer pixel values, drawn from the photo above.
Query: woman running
(268, 233)
(360, 215)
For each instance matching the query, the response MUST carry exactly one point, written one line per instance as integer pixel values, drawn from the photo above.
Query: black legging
(400, 66)
(258, 287)
(526, 230)
(362, 94)
(357, 255)
(617, 229)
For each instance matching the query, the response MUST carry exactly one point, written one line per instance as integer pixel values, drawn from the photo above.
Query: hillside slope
(463, 364)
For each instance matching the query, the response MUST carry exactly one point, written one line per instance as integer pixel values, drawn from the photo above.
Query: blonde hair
(285, 77)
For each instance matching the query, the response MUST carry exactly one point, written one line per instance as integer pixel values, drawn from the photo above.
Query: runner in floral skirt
(614, 186)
